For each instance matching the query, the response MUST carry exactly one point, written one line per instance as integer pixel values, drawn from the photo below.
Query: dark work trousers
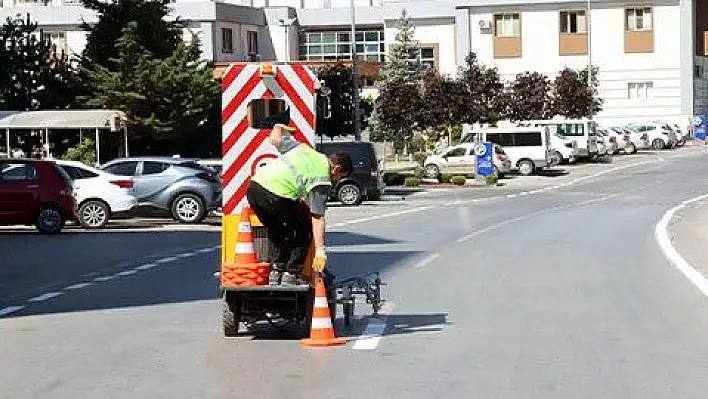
(289, 227)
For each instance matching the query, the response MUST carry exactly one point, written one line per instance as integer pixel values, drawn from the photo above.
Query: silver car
(187, 190)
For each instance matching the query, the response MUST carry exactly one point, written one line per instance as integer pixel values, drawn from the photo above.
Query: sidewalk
(688, 231)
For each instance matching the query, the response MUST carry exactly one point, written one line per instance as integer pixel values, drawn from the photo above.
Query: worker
(274, 194)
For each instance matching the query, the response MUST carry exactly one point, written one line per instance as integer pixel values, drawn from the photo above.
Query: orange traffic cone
(245, 252)
(321, 331)
(245, 269)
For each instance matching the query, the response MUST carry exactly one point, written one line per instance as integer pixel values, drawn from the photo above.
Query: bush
(419, 172)
(419, 157)
(84, 152)
(393, 179)
(446, 179)
(458, 180)
(492, 179)
(411, 182)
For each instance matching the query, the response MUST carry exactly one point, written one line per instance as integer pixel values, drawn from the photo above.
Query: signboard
(700, 127)
(484, 154)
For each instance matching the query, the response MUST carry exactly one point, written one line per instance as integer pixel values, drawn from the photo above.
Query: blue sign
(700, 127)
(485, 158)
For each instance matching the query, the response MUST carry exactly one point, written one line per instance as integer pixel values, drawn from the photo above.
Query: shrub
(458, 180)
(393, 179)
(446, 179)
(411, 182)
(419, 172)
(492, 179)
(419, 157)
(84, 152)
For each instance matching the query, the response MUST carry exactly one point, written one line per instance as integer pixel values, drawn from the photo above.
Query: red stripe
(304, 77)
(243, 157)
(236, 198)
(295, 98)
(230, 75)
(241, 96)
(234, 136)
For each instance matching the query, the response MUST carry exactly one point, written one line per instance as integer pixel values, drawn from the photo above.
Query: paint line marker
(146, 266)
(372, 335)
(511, 196)
(166, 260)
(186, 255)
(10, 309)
(204, 250)
(104, 278)
(426, 261)
(45, 296)
(77, 286)
(126, 273)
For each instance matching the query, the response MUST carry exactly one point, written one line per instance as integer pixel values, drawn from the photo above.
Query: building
(651, 55)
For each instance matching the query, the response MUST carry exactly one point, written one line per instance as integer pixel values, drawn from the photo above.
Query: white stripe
(244, 248)
(237, 84)
(146, 266)
(427, 261)
(297, 84)
(44, 297)
(166, 260)
(104, 278)
(10, 309)
(371, 337)
(321, 322)
(239, 114)
(244, 227)
(186, 255)
(126, 273)
(295, 114)
(77, 286)
(321, 303)
(205, 250)
(242, 174)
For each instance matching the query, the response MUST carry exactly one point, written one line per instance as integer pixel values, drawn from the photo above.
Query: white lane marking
(510, 195)
(77, 286)
(186, 255)
(104, 278)
(426, 261)
(126, 273)
(371, 337)
(10, 309)
(378, 217)
(45, 296)
(204, 250)
(166, 260)
(146, 266)
(662, 237)
(217, 274)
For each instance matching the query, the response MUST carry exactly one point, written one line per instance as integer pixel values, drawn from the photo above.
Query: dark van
(364, 182)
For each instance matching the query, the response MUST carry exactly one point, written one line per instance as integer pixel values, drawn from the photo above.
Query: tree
(403, 60)
(485, 98)
(449, 97)
(572, 96)
(396, 106)
(529, 97)
(32, 75)
(84, 152)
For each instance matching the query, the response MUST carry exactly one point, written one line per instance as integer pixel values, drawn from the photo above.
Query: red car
(35, 192)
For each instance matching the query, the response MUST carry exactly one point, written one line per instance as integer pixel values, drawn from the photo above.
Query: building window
(337, 45)
(573, 22)
(227, 40)
(506, 25)
(639, 90)
(56, 39)
(639, 19)
(252, 38)
(427, 54)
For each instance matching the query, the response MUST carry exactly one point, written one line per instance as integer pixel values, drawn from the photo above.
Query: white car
(659, 134)
(563, 149)
(618, 141)
(99, 195)
(460, 159)
(637, 141)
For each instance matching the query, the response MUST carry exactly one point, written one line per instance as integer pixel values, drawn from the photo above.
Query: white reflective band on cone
(320, 323)
(321, 302)
(244, 227)
(244, 248)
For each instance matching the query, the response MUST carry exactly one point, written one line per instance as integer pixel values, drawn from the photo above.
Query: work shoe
(290, 278)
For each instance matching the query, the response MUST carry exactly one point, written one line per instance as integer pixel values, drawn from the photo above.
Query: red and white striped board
(243, 147)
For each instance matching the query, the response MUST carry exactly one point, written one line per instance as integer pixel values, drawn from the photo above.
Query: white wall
(540, 27)
(240, 41)
(75, 41)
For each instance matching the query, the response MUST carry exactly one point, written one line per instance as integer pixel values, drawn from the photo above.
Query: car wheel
(432, 171)
(349, 194)
(50, 220)
(188, 208)
(526, 167)
(658, 144)
(557, 158)
(93, 214)
(630, 149)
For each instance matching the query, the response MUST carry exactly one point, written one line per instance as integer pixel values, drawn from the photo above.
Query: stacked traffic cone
(246, 270)
(321, 331)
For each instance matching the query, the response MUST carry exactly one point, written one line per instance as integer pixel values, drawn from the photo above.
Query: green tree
(397, 107)
(530, 97)
(485, 100)
(572, 96)
(403, 60)
(84, 152)
(33, 75)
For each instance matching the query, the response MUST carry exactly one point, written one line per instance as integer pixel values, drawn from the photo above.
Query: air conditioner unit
(485, 24)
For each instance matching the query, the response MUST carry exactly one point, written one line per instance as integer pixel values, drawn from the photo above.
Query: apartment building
(651, 55)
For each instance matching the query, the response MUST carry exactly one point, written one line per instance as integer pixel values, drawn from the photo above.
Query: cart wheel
(348, 310)
(231, 315)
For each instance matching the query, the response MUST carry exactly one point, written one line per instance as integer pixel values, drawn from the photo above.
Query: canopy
(63, 119)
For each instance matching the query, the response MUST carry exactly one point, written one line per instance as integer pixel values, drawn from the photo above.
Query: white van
(584, 131)
(528, 148)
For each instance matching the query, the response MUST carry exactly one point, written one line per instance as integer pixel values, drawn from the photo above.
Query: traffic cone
(245, 269)
(321, 331)
(245, 251)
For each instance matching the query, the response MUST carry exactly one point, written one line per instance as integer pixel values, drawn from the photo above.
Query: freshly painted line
(126, 273)
(45, 296)
(426, 261)
(186, 255)
(166, 260)
(371, 337)
(146, 266)
(77, 286)
(10, 309)
(205, 250)
(510, 195)
(217, 274)
(662, 237)
(104, 278)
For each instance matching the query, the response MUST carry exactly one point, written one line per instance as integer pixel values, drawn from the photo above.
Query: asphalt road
(545, 288)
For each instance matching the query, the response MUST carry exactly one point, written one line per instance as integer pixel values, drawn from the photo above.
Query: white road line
(10, 309)
(186, 255)
(77, 286)
(371, 337)
(126, 273)
(377, 217)
(45, 296)
(511, 196)
(166, 260)
(146, 266)
(426, 261)
(205, 250)
(662, 237)
(104, 278)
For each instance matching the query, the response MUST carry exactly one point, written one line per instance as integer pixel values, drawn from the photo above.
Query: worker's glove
(320, 260)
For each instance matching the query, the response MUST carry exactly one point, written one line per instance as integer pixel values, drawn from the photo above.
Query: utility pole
(355, 77)
(590, 88)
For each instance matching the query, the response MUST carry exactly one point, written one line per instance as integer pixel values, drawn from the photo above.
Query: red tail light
(210, 177)
(612, 139)
(123, 183)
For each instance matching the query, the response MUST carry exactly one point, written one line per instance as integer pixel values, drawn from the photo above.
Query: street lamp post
(355, 77)
(589, 56)
(287, 23)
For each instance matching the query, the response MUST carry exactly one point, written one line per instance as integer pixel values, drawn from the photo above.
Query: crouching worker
(274, 194)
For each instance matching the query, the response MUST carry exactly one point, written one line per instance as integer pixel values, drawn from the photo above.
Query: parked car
(99, 195)
(365, 182)
(181, 186)
(617, 140)
(563, 149)
(604, 147)
(583, 131)
(659, 134)
(216, 164)
(460, 160)
(637, 140)
(528, 148)
(35, 192)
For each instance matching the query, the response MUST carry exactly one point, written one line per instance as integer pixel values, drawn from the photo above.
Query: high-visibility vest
(295, 173)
